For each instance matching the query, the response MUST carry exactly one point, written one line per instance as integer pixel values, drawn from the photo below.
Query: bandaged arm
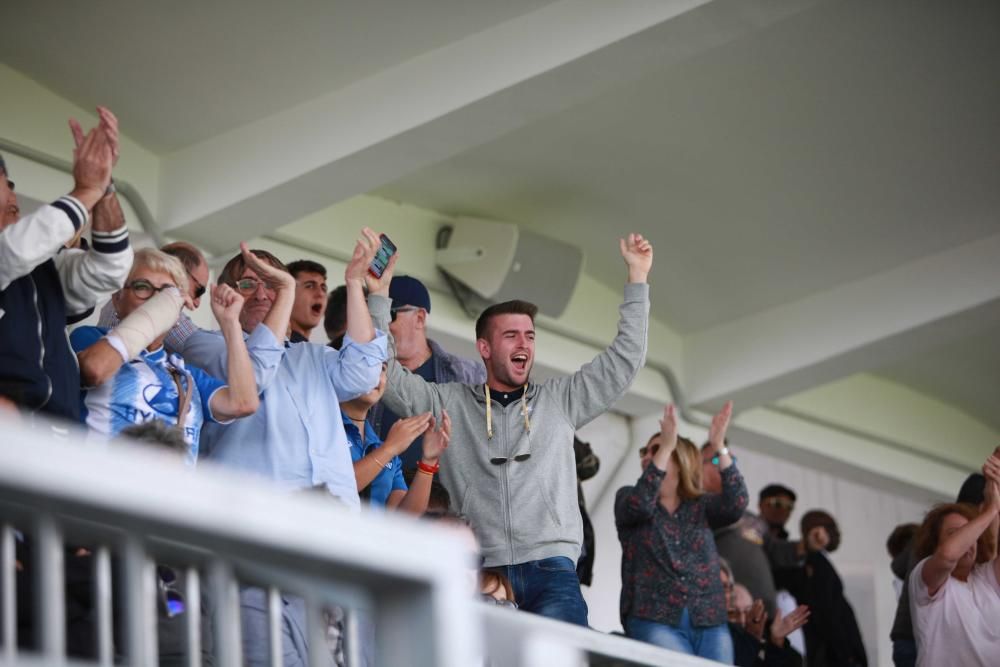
(147, 323)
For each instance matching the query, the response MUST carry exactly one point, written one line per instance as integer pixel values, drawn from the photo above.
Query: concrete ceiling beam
(859, 326)
(255, 178)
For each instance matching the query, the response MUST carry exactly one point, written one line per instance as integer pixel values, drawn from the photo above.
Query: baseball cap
(776, 490)
(408, 291)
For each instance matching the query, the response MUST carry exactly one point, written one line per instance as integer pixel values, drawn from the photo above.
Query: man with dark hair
(335, 320)
(511, 466)
(411, 306)
(197, 273)
(296, 438)
(44, 280)
(310, 298)
(776, 503)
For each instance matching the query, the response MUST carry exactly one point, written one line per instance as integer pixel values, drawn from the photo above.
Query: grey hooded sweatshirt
(523, 509)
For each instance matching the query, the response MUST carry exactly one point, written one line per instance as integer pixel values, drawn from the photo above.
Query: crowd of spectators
(383, 416)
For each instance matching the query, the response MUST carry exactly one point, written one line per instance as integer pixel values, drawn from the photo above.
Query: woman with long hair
(671, 592)
(955, 588)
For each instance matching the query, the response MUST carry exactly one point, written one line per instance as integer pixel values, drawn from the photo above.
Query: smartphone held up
(385, 251)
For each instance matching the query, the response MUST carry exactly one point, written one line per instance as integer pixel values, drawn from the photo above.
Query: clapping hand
(786, 625)
(756, 619)
(436, 439)
(720, 425)
(405, 431)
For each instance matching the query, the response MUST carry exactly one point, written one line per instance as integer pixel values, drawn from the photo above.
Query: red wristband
(430, 470)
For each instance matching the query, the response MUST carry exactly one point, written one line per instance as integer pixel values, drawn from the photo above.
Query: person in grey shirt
(510, 466)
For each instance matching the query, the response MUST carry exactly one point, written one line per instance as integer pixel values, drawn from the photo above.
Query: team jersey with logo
(143, 389)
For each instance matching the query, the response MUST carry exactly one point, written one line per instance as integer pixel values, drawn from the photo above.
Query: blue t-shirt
(389, 479)
(143, 389)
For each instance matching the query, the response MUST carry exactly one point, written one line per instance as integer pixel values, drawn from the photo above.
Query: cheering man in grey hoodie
(511, 466)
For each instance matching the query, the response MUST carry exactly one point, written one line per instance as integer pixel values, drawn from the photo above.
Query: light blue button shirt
(296, 438)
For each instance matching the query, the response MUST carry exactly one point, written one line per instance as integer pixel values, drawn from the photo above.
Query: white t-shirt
(959, 624)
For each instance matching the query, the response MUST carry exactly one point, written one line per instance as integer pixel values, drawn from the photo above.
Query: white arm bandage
(146, 323)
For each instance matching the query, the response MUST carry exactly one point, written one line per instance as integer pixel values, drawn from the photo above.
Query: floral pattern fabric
(669, 560)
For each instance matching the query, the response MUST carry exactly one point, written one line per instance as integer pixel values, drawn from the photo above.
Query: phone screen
(382, 255)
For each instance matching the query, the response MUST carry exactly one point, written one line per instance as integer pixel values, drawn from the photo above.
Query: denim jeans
(548, 587)
(712, 642)
(904, 652)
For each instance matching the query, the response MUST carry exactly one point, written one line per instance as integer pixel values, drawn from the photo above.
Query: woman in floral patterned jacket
(671, 592)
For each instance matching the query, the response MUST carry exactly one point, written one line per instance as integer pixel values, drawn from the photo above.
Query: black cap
(772, 490)
(3, 167)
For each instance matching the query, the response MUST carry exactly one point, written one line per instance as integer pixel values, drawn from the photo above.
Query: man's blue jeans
(548, 587)
(712, 642)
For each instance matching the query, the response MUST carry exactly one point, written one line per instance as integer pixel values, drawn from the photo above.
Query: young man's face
(310, 301)
(9, 210)
(508, 350)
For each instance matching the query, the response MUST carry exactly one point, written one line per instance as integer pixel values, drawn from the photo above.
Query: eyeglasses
(715, 459)
(779, 503)
(199, 289)
(652, 449)
(401, 309)
(171, 600)
(143, 289)
(248, 286)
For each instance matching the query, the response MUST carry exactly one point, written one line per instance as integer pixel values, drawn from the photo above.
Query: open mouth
(317, 308)
(520, 361)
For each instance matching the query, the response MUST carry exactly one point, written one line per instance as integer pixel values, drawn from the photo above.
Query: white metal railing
(133, 507)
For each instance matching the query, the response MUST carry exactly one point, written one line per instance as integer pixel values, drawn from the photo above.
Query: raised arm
(239, 397)
(406, 394)
(283, 285)
(991, 469)
(636, 504)
(152, 319)
(942, 563)
(88, 275)
(728, 506)
(594, 388)
(359, 325)
(37, 238)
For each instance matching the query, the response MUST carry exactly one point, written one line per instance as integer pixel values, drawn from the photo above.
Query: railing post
(8, 590)
(192, 611)
(50, 616)
(226, 594)
(103, 602)
(274, 623)
(319, 652)
(140, 603)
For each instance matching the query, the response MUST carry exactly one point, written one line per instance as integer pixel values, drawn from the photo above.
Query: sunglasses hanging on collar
(499, 460)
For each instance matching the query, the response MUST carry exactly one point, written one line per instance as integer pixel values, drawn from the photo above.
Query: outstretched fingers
(720, 425)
